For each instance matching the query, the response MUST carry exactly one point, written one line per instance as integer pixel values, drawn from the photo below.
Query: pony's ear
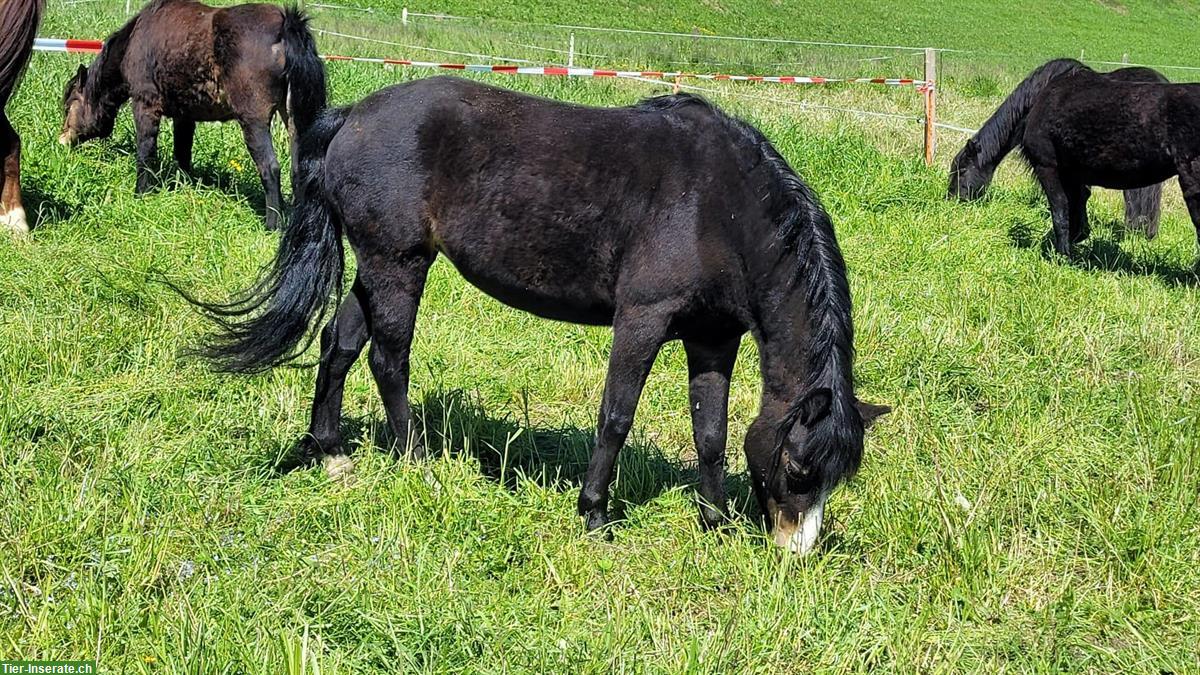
(870, 412)
(814, 406)
(81, 73)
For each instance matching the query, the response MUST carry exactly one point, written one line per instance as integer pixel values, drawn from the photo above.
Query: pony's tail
(834, 443)
(272, 322)
(18, 25)
(972, 168)
(304, 71)
(1142, 209)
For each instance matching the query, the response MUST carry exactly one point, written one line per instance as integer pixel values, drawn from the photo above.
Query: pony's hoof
(14, 221)
(596, 523)
(339, 468)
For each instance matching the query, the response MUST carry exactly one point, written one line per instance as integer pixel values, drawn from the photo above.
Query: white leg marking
(15, 220)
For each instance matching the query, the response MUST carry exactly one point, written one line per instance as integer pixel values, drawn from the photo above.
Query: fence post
(571, 52)
(404, 16)
(930, 105)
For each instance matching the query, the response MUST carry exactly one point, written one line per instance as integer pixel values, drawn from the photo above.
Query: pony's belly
(539, 285)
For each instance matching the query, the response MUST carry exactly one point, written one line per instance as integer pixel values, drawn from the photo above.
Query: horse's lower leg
(1056, 194)
(185, 135)
(1077, 207)
(638, 334)
(12, 213)
(342, 341)
(258, 140)
(393, 296)
(1189, 184)
(146, 121)
(709, 370)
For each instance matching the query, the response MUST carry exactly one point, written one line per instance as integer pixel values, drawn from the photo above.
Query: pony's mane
(834, 446)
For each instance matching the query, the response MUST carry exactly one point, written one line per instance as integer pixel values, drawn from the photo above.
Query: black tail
(972, 168)
(1142, 209)
(305, 72)
(834, 446)
(18, 26)
(264, 327)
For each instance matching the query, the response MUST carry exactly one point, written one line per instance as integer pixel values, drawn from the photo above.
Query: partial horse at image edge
(688, 225)
(19, 21)
(972, 168)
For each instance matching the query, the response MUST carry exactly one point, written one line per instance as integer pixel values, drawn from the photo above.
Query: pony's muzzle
(798, 535)
(67, 139)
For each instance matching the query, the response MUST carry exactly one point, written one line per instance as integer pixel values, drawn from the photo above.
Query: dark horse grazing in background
(666, 220)
(972, 169)
(18, 25)
(194, 63)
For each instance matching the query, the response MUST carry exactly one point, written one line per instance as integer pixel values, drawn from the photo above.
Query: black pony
(667, 220)
(972, 169)
(195, 63)
(18, 25)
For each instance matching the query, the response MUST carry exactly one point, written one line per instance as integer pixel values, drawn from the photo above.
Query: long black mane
(804, 227)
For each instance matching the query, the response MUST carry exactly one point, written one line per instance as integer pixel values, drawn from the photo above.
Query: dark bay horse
(194, 63)
(18, 26)
(667, 220)
(972, 169)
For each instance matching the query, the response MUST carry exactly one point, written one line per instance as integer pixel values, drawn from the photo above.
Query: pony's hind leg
(393, 291)
(1189, 184)
(258, 140)
(12, 213)
(1077, 208)
(709, 370)
(185, 136)
(638, 333)
(342, 341)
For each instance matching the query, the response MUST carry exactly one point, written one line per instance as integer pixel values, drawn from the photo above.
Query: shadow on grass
(510, 450)
(43, 208)
(1102, 253)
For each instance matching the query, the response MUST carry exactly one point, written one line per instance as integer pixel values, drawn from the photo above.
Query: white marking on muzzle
(801, 540)
(15, 221)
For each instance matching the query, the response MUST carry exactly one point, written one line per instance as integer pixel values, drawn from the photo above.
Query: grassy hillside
(1031, 504)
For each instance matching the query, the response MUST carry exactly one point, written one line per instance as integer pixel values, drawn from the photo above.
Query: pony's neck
(106, 88)
(783, 335)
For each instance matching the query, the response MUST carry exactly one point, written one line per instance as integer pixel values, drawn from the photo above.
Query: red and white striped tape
(73, 46)
(93, 46)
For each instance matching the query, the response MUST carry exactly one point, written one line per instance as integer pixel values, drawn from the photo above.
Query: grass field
(1030, 506)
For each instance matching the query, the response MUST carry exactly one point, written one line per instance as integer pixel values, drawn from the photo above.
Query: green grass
(1031, 504)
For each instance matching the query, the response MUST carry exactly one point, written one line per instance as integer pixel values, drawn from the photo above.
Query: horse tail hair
(1143, 208)
(273, 322)
(18, 25)
(304, 71)
(972, 168)
(834, 446)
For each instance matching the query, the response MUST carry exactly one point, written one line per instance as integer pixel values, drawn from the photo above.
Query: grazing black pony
(194, 63)
(972, 169)
(666, 220)
(18, 25)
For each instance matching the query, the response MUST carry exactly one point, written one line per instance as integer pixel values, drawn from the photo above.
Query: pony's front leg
(1056, 194)
(709, 370)
(258, 140)
(638, 333)
(146, 120)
